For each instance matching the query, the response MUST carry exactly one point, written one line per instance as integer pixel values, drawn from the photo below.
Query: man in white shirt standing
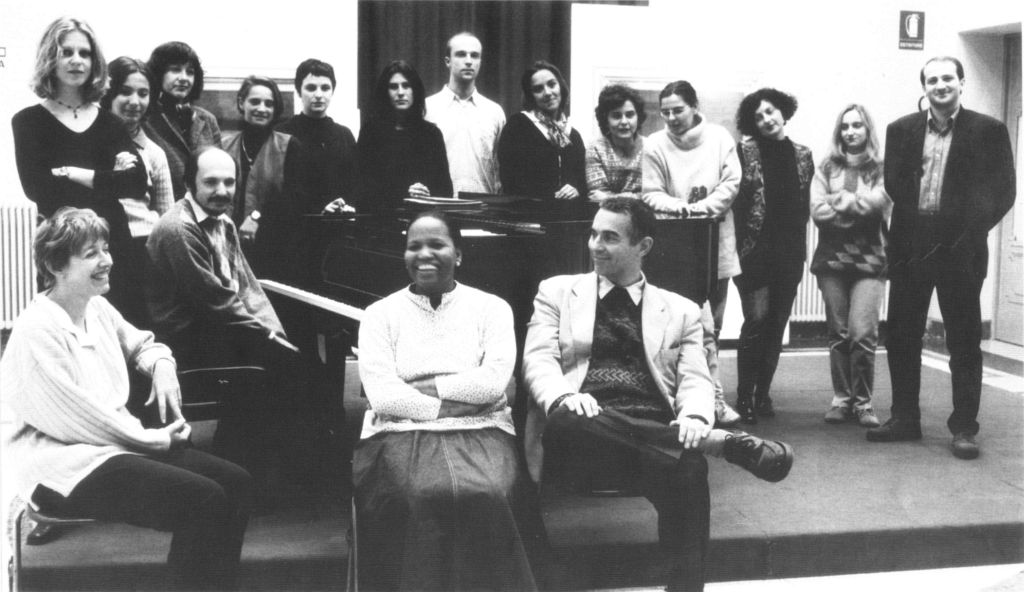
(471, 123)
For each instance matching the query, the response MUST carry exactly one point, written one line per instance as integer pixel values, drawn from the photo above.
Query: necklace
(245, 153)
(74, 110)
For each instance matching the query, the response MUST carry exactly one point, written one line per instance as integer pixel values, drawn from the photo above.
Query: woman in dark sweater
(539, 153)
(771, 212)
(330, 147)
(400, 154)
(69, 152)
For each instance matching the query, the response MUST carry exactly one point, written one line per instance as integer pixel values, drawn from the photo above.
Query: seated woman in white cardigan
(440, 491)
(76, 450)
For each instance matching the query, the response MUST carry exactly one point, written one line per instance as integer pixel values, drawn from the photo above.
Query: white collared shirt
(635, 290)
(471, 128)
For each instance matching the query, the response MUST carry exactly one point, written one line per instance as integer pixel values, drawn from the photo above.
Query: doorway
(1008, 321)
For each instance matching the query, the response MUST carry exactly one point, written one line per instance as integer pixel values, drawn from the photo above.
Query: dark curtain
(513, 35)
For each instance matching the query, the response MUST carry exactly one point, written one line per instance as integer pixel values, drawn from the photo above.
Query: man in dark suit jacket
(949, 171)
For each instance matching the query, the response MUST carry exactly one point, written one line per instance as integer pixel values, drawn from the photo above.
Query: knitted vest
(618, 376)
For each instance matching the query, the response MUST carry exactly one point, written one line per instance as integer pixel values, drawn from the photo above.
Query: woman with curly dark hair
(175, 123)
(400, 154)
(771, 212)
(615, 160)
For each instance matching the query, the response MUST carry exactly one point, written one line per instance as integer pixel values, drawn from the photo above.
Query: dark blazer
(204, 132)
(978, 188)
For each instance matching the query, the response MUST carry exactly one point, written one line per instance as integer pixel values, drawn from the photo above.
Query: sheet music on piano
(322, 302)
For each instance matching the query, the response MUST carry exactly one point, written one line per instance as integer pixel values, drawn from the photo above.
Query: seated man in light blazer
(620, 387)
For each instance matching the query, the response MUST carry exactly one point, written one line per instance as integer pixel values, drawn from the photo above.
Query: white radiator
(17, 270)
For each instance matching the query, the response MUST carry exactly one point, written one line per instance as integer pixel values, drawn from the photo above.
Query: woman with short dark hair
(771, 212)
(400, 154)
(614, 161)
(539, 154)
(178, 125)
(77, 450)
(330, 147)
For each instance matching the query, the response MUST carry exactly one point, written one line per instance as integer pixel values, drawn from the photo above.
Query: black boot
(763, 406)
(745, 407)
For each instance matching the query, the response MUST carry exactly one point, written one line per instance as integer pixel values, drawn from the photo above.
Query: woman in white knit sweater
(850, 207)
(76, 448)
(691, 169)
(438, 483)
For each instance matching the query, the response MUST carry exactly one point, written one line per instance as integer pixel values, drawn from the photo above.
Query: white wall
(827, 54)
(231, 39)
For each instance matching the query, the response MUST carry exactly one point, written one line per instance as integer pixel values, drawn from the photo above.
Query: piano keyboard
(321, 302)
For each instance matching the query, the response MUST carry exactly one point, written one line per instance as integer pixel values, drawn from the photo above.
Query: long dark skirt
(437, 511)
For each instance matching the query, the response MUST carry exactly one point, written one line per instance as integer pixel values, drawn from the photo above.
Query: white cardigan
(67, 389)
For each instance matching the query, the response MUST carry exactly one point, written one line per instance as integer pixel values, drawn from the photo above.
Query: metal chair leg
(352, 580)
(14, 577)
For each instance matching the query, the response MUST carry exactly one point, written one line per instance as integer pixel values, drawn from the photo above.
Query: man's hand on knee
(582, 404)
(692, 432)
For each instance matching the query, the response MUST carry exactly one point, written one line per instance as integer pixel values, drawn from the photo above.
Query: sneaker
(964, 446)
(895, 430)
(724, 414)
(745, 409)
(867, 418)
(765, 459)
(837, 414)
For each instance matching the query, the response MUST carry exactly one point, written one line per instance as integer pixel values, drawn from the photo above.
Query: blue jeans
(852, 306)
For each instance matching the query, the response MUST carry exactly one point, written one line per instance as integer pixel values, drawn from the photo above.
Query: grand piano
(509, 246)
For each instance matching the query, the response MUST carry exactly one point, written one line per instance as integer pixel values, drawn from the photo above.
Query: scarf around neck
(558, 129)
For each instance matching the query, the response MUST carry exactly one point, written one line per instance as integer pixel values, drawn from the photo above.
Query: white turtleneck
(697, 172)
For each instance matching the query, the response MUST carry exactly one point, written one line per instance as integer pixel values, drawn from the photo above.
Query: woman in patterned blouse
(615, 160)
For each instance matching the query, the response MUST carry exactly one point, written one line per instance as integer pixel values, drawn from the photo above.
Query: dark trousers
(766, 310)
(202, 499)
(673, 479)
(910, 292)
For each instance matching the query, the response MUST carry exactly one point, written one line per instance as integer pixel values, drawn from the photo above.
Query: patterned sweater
(467, 345)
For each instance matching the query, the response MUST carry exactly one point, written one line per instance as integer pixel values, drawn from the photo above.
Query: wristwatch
(255, 215)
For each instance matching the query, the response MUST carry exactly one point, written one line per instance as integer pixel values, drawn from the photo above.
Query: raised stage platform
(848, 506)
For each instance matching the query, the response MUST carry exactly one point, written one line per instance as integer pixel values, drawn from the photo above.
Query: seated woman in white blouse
(75, 448)
(438, 482)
